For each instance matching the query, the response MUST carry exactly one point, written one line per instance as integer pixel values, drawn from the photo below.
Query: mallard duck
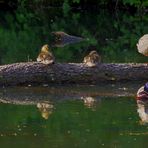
(92, 59)
(142, 94)
(62, 39)
(142, 103)
(46, 56)
(142, 45)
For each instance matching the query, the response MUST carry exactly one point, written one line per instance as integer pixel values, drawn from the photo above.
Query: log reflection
(45, 98)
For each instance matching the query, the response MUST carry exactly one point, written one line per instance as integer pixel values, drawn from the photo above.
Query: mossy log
(70, 73)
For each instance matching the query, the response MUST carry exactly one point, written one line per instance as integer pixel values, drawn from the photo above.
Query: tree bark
(70, 73)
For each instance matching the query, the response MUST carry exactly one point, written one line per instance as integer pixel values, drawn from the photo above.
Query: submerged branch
(69, 73)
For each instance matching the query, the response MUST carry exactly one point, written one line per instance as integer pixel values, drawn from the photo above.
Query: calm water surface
(68, 116)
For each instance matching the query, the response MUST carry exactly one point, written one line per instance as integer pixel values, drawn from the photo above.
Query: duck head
(46, 56)
(142, 94)
(61, 39)
(45, 48)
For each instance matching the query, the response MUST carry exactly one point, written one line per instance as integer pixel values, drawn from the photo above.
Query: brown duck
(46, 56)
(92, 59)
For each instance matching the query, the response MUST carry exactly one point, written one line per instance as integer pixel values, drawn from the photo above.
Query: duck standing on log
(142, 45)
(92, 59)
(46, 56)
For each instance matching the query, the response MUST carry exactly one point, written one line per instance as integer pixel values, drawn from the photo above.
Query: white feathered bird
(142, 45)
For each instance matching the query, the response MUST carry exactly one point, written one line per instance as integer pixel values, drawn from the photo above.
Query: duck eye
(59, 38)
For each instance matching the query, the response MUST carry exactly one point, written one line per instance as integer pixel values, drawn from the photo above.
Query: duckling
(46, 56)
(142, 45)
(62, 39)
(92, 59)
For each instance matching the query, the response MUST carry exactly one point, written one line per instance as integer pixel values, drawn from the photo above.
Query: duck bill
(69, 39)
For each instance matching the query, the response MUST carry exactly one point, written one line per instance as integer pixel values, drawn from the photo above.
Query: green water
(108, 119)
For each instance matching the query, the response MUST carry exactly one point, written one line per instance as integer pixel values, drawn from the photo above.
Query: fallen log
(70, 73)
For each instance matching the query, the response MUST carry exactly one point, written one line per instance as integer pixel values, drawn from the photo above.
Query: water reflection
(78, 118)
(89, 102)
(46, 108)
(142, 103)
(45, 98)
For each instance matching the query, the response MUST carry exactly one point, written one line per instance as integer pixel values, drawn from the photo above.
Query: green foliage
(66, 7)
(66, 4)
(136, 3)
(132, 2)
(22, 34)
(76, 1)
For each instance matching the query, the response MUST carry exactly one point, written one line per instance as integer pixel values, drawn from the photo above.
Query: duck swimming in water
(142, 45)
(46, 56)
(142, 103)
(92, 59)
(142, 94)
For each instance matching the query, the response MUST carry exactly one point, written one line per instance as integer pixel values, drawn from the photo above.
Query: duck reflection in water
(46, 108)
(142, 103)
(89, 102)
